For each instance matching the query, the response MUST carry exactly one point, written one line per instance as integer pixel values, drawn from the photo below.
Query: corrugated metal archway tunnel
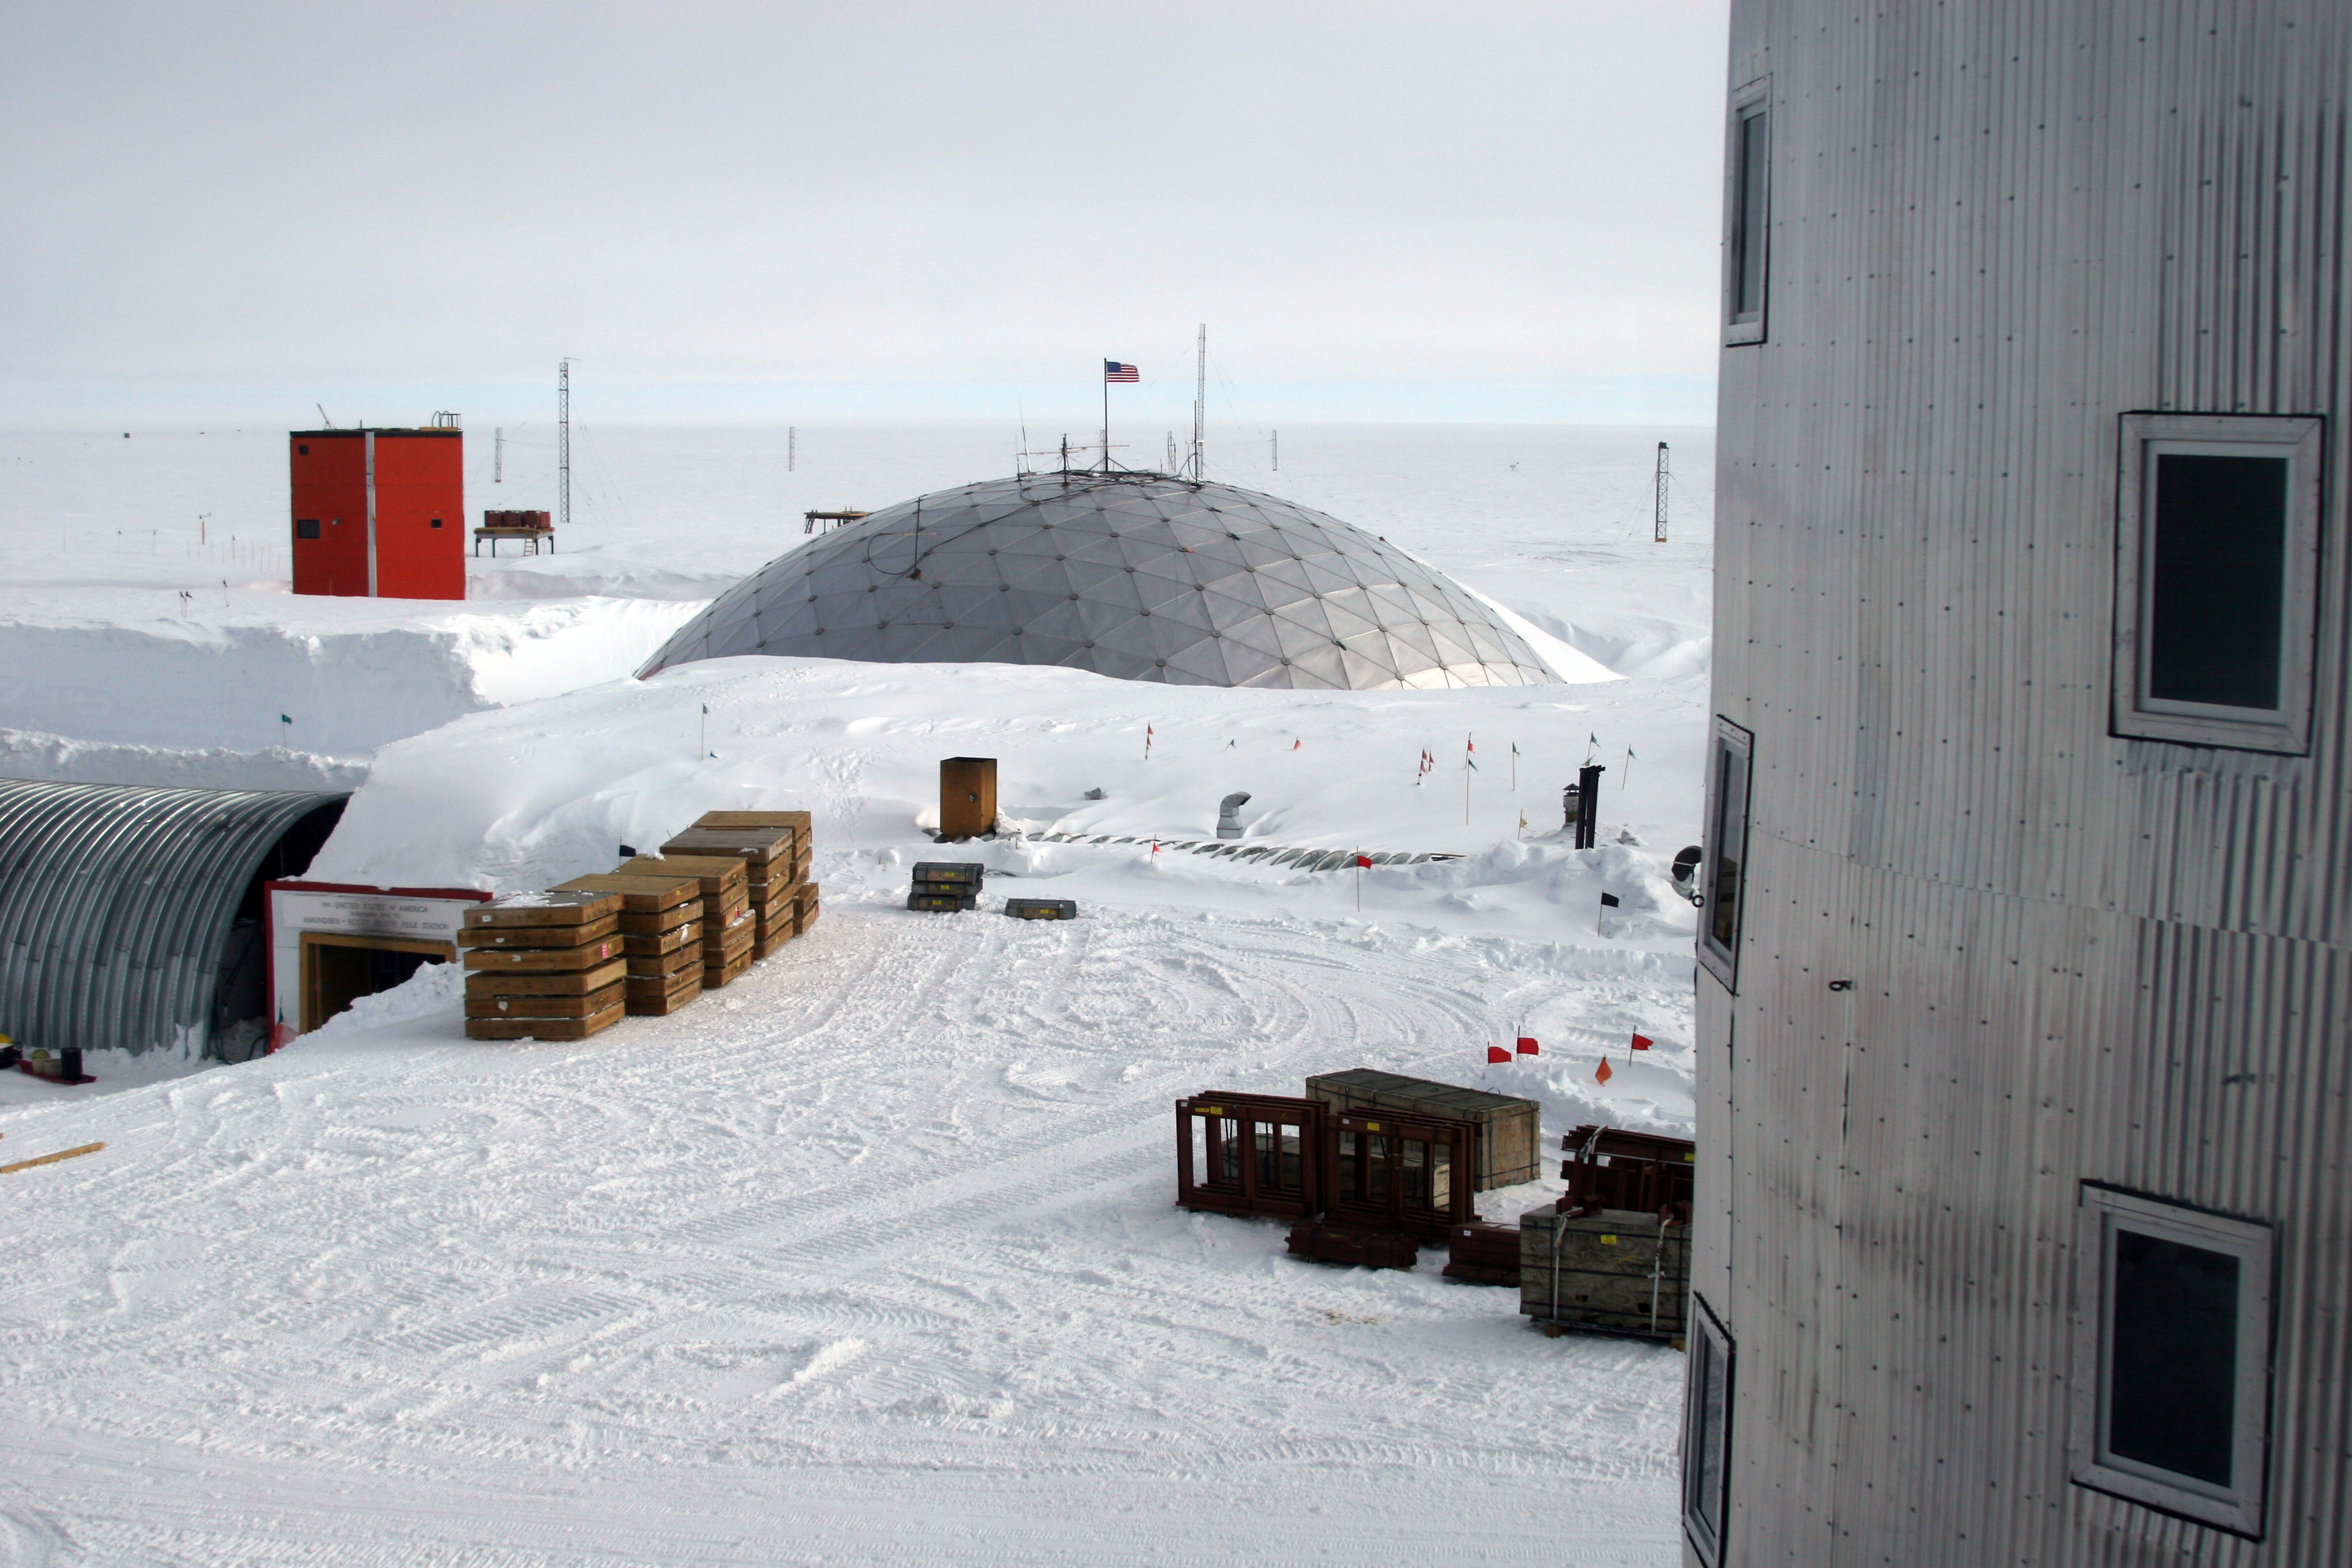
(131, 918)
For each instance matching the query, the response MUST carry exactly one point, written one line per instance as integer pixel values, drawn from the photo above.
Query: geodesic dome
(1141, 576)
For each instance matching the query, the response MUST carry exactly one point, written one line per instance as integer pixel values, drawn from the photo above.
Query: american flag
(1117, 373)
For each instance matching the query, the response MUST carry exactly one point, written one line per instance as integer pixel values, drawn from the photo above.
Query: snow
(870, 1256)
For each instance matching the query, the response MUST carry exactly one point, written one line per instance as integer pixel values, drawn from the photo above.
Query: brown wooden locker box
(539, 936)
(543, 1028)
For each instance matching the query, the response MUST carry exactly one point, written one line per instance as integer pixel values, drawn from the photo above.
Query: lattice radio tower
(1659, 534)
(563, 444)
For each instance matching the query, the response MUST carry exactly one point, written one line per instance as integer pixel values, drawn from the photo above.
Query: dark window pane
(1703, 1466)
(1750, 213)
(306, 528)
(2172, 1368)
(2219, 580)
(1730, 848)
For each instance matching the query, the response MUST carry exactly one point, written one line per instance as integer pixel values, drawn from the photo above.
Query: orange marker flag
(1605, 1074)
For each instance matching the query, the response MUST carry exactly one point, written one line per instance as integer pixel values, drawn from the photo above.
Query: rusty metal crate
(1250, 1154)
(1483, 1254)
(1319, 1243)
(1611, 1168)
(1509, 1128)
(1617, 1272)
(1387, 1170)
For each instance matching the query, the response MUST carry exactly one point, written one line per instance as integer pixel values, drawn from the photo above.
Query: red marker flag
(1498, 1054)
(1528, 1047)
(1642, 1042)
(1605, 1074)
(1363, 862)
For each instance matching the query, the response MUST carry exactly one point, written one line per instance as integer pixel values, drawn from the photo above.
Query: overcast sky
(1442, 210)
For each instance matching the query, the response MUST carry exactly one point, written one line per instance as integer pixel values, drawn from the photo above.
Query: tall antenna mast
(1200, 397)
(563, 443)
(1659, 536)
(499, 456)
(792, 446)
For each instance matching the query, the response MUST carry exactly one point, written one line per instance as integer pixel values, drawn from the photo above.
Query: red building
(380, 513)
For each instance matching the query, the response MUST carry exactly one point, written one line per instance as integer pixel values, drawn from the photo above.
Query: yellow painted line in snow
(51, 1158)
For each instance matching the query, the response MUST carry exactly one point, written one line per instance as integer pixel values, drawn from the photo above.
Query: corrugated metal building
(2025, 1225)
(131, 918)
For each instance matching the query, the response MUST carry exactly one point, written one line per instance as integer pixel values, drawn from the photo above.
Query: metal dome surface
(1142, 576)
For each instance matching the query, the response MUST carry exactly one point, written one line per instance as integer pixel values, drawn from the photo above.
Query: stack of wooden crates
(543, 966)
(661, 925)
(775, 852)
(646, 938)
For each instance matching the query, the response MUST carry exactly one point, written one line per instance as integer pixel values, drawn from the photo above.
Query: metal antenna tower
(1659, 536)
(563, 444)
(499, 456)
(1199, 397)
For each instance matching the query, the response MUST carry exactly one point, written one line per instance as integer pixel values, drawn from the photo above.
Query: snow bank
(351, 674)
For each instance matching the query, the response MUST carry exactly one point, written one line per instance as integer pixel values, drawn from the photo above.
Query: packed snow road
(870, 1257)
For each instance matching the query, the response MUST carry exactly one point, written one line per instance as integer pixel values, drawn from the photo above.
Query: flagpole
(1106, 433)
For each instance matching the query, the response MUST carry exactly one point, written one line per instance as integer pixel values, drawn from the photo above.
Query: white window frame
(2147, 436)
(2106, 1211)
(1747, 102)
(1706, 1329)
(1723, 960)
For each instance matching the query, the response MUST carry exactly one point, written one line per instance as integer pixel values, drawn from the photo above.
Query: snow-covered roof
(1141, 576)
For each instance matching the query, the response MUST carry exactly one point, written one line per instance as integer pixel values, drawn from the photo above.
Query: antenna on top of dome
(1200, 397)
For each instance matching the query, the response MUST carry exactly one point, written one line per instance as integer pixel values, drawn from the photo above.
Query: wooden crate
(1508, 1128)
(1250, 1154)
(663, 966)
(769, 945)
(1321, 1243)
(1482, 1254)
(501, 1004)
(724, 875)
(542, 960)
(1618, 1272)
(718, 952)
(659, 999)
(805, 910)
(642, 895)
(797, 822)
(539, 936)
(716, 976)
(757, 847)
(686, 933)
(543, 1028)
(551, 909)
(569, 983)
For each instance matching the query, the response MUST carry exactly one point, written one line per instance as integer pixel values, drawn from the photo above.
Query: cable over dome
(1141, 576)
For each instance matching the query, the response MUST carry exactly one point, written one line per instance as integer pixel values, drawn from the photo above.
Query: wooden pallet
(543, 1028)
(727, 974)
(504, 1005)
(564, 983)
(514, 936)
